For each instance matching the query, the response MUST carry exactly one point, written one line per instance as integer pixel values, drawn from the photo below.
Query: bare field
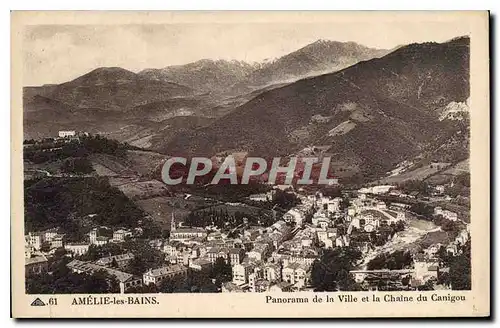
(421, 224)
(145, 162)
(161, 209)
(135, 189)
(447, 175)
(459, 168)
(434, 237)
(107, 165)
(417, 174)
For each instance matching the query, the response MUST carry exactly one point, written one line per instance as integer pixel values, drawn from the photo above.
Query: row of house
(125, 280)
(35, 240)
(461, 239)
(258, 276)
(51, 236)
(449, 215)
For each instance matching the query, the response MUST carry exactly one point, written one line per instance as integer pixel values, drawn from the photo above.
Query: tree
(394, 261)
(101, 282)
(45, 247)
(422, 187)
(79, 165)
(422, 209)
(200, 282)
(96, 252)
(174, 285)
(460, 270)
(428, 285)
(285, 200)
(221, 272)
(145, 257)
(331, 191)
(143, 289)
(63, 281)
(331, 271)
(64, 202)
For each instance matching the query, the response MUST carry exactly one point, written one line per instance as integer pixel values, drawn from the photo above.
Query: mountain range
(369, 116)
(368, 109)
(237, 77)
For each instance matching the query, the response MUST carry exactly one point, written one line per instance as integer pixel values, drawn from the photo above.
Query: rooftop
(90, 267)
(188, 230)
(166, 270)
(36, 259)
(109, 259)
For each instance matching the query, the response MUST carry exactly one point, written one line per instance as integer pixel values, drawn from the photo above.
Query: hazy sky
(59, 53)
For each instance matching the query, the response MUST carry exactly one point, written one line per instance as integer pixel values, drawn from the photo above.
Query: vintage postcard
(250, 164)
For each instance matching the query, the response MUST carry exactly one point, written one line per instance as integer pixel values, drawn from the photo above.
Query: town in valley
(285, 238)
(98, 218)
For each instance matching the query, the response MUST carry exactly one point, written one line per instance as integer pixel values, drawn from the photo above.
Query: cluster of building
(279, 257)
(71, 134)
(426, 265)
(288, 267)
(52, 240)
(449, 215)
(38, 245)
(452, 248)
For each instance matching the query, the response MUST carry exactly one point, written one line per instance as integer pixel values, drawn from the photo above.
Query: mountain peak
(111, 70)
(106, 74)
(321, 41)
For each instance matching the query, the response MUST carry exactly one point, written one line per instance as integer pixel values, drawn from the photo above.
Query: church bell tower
(172, 223)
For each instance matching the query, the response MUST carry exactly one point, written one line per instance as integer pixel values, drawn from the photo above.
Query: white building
(425, 268)
(259, 252)
(438, 210)
(272, 272)
(241, 273)
(77, 249)
(200, 264)
(66, 134)
(452, 216)
(36, 239)
(381, 206)
(154, 276)
(120, 235)
(334, 205)
(320, 220)
(294, 215)
(57, 241)
(259, 197)
(381, 189)
(125, 280)
(452, 248)
(296, 274)
(376, 189)
(185, 234)
(440, 189)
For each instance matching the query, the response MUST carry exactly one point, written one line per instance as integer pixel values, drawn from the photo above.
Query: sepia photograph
(273, 155)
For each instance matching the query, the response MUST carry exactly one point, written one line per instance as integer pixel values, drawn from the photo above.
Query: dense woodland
(459, 277)
(49, 150)
(70, 204)
(396, 260)
(331, 271)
